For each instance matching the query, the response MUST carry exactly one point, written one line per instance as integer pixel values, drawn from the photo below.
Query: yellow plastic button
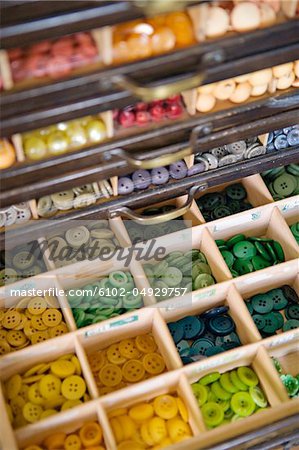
(178, 429)
(51, 317)
(70, 404)
(22, 323)
(182, 409)
(110, 375)
(38, 324)
(114, 356)
(97, 361)
(33, 447)
(16, 338)
(11, 319)
(16, 405)
(34, 395)
(33, 370)
(73, 387)
(3, 334)
(37, 305)
(47, 413)
(117, 429)
(77, 365)
(141, 412)
(39, 336)
(4, 348)
(58, 330)
(128, 426)
(133, 371)
(62, 368)
(145, 343)
(118, 412)
(165, 406)
(130, 445)
(72, 442)
(49, 386)
(55, 441)
(128, 350)
(13, 386)
(157, 429)
(32, 412)
(91, 434)
(153, 363)
(146, 436)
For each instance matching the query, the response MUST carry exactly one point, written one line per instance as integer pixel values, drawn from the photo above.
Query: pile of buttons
(153, 36)
(159, 423)
(240, 89)
(224, 203)
(82, 243)
(283, 139)
(79, 197)
(227, 154)
(295, 231)
(125, 362)
(15, 214)
(54, 59)
(198, 337)
(106, 298)
(139, 233)
(179, 270)
(44, 390)
(32, 320)
(23, 261)
(7, 154)
(282, 182)
(143, 113)
(90, 435)
(142, 179)
(228, 397)
(290, 382)
(63, 137)
(247, 254)
(275, 311)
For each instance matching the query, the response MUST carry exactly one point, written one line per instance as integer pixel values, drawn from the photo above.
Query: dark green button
(228, 258)
(278, 251)
(244, 249)
(259, 321)
(272, 254)
(262, 303)
(263, 252)
(292, 312)
(279, 318)
(236, 192)
(290, 325)
(271, 323)
(260, 263)
(242, 266)
(290, 294)
(234, 240)
(221, 325)
(221, 211)
(279, 300)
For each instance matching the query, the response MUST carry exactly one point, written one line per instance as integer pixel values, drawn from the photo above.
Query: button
(91, 434)
(202, 345)
(73, 387)
(145, 343)
(133, 371)
(290, 324)
(285, 185)
(292, 311)
(262, 303)
(193, 326)
(244, 249)
(212, 413)
(49, 386)
(177, 331)
(221, 325)
(32, 412)
(110, 375)
(242, 404)
(62, 368)
(165, 406)
(258, 396)
(78, 236)
(153, 363)
(247, 376)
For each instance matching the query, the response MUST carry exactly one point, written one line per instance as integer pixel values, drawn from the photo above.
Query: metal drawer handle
(163, 160)
(160, 218)
(149, 93)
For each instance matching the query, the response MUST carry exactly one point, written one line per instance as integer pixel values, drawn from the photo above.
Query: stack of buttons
(31, 321)
(82, 243)
(160, 423)
(79, 197)
(7, 154)
(125, 362)
(90, 435)
(275, 311)
(15, 214)
(44, 390)
(295, 231)
(282, 182)
(54, 59)
(290, 382)
(283, 139)
(182, 271)
(228, 397)
(139, 233)
(143, 113)
(109, 297)
(63, 137)
(21, 262)
(143, 179)
(224, 203)
(198, 337)
(227, 154)
(247, 254)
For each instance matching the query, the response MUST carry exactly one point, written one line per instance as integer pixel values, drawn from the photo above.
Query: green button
(236, 192)
(291, 324)
(263, 252)
(271, 323)
(219, 392)
(210, 378)
(278, 251)
(234, 240)
(242, 266)
(242, 404)
(262, 303)
(292, 312)
(172, 277)
(247, 376)
(285, 185)
(203, 280)
(258, 396)
(221, 211)
(259, 321)
(279, 300)
(279, 318)
(260, 263)
(237, 382)
(244, 249)
(228, 257)
(199, 268)
(212, 413)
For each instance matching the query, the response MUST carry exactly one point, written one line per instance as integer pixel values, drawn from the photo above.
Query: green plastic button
(200, 392)
(242, 266)
(247, 376)
(210, 378)
(242, 404)
(260, 263)
(278, 251)
(244, 249)
(291, 324)
(263, 252)
(172, 277)
(219, 392)
(226, 383)
(292, 312)
(271, 323)
(228, 258)
(258, 396)
(237, 382)
(262, 303)
(235, 239)
(279, 300)
(213, 414)
(236, 192)
(285, 185)
(259, 321)
(203, 280)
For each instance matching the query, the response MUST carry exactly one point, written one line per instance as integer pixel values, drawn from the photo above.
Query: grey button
(219, 152)
(10, 217)
(256, 151)
(236, 148)
(229, 159)
(211, 159)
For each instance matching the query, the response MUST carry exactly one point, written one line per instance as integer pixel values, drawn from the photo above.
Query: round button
(110, 375)
(51, 317)
(153, 363)
(193, 326)
(37, 305)
(202, 345)
(133, 371)
(128, 349)
(62, 368)
(244, 249)
(73, 387)
(145, 343)
(113, 355)
(165, 406)
(242, 404)
(49, 386)
(91, 434)
(177, 331)
(247, 376)
(221, 325)
(212, 413)
(262, 303)
(32, 412)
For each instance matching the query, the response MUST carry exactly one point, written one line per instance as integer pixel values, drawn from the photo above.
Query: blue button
(202, 345)
(293, 137)
(214, 312)
(230, 345)
(209, 335)
(214, 350)
(232, 337)
(221, 325)
(281, 142)
(193, 326)
(182, 347)
(176, 330)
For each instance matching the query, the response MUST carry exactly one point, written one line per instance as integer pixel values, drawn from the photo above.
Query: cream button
(224, 89)
(205, 102)
(259, 90)
(217, 22)
(245, 16)
(282, 69)
(241, 93)
(207, 88)
(286, 81)
(260, 77)
(268, 16)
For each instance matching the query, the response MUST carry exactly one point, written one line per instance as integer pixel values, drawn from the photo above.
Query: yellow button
(4, 348)
(182, 409)
(39, 336)
(130, 445)
(91, 434)
(22, 323)
(33, 379)
(55, 402)
(77, 365)
(128, 349)
(17, 404)
(22, 304)
(11, 319)
(55, 441)
(178, 429)
(2, 313)
(146, 436)
(145, 343)
(49, 386)
(24, 391)
(153, 363)
(110, 375)
(34, 370)
(141, 412)
(32, 412)
(128, 426)
(58, 330)
(33, 447)
(118, 412)
(47, 413)
(34, 395)
(62, 368)
(114, 356)
(157, 429)
(16, 338)
(3, 334)
(37, 305)
(165, 406)
(72, 442)
(117, 429)
(70, 404)
(133, 371)
(52, 317)
(29, 330)
(73, 387)
(38, 324)
(13, 386)
(97, 361)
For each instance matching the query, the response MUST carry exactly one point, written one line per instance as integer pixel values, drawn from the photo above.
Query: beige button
(260, 77)
(205, 102)
(245, 16)
(259, 90)
(282, 70)
(268, 16)
(217, 22)
(224, 89)
(241, 93)
(286, 81)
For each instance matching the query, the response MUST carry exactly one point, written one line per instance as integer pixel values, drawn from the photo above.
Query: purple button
(160, 175)
(178, 170)
(141, 179)
(197, 168)
(125, 186)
